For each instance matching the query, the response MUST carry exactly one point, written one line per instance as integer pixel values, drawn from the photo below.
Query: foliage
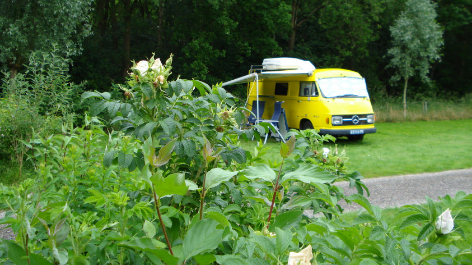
(37, 101)
(172, 186)
(417, 39)
(33, 26)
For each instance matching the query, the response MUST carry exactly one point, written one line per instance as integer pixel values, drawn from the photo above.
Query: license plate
(356, 132)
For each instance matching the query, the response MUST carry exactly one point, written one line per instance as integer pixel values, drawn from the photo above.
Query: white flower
(142, 66)
(445, 223)
(157, 64)
(303, 257)
(161, 79)
(325, 151)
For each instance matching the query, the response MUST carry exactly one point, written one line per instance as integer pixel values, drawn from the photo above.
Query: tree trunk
(102, 11)
(295, 6)
(114, 25)
(404, 98)
(14, 66)
(159, 30)
(127, 12)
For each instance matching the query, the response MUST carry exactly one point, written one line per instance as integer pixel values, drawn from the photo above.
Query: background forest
(218, 40)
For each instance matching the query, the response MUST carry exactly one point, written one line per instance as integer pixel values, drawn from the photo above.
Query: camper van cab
(333, 101)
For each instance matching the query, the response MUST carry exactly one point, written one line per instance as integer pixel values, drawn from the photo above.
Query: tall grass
(426, 110)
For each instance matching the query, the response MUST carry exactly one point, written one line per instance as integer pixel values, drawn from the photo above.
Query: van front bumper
(348, 132)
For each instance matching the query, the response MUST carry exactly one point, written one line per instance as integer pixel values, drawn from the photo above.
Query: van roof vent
(286, 63)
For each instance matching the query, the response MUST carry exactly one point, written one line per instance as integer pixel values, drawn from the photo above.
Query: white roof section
(277, 68)
(287, 63)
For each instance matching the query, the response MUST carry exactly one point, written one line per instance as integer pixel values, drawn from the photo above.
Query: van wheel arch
(306, 124)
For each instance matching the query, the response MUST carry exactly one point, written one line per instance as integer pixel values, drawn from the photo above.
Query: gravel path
(388, 192)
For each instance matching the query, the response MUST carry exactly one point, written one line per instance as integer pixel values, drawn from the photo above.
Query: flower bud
(325, 152)
(157, 64)
(128, 95)
(142, 66)
(161, 79)
(169, 61)
(302, 258)
(445, 223)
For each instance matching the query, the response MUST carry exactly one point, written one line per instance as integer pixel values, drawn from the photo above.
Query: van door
(306, 105)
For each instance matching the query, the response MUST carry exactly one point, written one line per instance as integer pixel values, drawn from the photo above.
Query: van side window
(281, 89)
(308, 89)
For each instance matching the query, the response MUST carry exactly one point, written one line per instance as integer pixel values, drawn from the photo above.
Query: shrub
(39, 100)
(172, 186)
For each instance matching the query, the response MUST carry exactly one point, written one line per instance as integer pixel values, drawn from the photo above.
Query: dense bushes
(172, 186)
(38, 101)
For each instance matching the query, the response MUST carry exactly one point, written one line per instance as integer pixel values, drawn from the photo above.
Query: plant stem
(156, 202)
(276, 188)
(202, 198)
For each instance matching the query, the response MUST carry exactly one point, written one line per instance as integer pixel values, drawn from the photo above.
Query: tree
(41, 25)
(297, 19)
(417, 39)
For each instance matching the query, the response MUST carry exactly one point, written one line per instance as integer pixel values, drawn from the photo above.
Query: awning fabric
(267, 75)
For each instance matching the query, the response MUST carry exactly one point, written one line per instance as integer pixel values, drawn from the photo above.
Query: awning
(267, 75)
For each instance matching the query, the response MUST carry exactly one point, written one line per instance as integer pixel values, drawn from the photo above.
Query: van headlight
(370, 118)
(337, 120)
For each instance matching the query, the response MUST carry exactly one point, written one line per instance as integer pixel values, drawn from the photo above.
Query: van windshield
(340, 87)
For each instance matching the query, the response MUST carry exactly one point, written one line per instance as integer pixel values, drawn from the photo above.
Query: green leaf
(362, 201)
(147, 245)
(220, 218)
(438, 248)
(149, 229)
(427, 229)
(260, 171)
(168, 125)
(296, 201)
(201, 86)
(173, 184)
(165, 153)
(309, 174)
(97, 107)
(283, 239)
(462, 204)
(413, 219)
(287, 220)
(205, 259)
(147, 129)
(89, 94)
(15, 252)
(109, 157)
(453, 250)
(146, 88)
(230, 208)
(364, 218)
(266, 245)
(124, 160)
(202, 237)
(216, 176)
(288, 147)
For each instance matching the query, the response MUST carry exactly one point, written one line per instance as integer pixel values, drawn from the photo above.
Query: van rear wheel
(307, 125)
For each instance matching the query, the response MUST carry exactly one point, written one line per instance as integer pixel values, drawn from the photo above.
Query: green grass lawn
(405, 148)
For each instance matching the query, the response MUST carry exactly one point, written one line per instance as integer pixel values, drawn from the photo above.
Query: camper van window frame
(323, 94)
(279, 89)
(312, 89)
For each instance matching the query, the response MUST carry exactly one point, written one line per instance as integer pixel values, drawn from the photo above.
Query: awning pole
(257, 98)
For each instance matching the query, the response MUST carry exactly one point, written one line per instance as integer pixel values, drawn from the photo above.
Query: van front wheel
(307, 125)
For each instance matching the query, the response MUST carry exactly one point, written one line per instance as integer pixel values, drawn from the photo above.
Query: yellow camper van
(333, 101)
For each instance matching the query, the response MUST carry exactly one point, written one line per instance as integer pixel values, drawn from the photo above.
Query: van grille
(348, 119)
